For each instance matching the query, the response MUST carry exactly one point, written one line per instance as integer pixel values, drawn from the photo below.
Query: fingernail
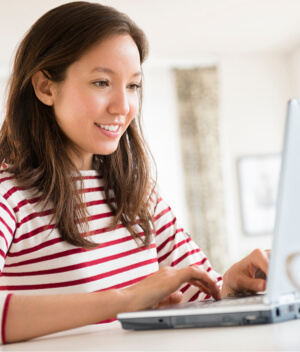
(261, 286)
(179, 295)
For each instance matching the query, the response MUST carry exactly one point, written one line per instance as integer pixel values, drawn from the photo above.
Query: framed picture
(258, 183)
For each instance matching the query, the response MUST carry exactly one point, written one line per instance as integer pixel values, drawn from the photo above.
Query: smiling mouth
(110, 128)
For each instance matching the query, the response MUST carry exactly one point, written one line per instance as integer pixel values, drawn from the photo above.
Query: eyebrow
(108, 70)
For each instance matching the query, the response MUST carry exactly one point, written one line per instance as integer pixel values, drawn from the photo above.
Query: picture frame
(258, 178)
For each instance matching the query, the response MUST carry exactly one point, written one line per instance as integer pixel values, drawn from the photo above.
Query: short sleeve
(7, 229)
(176, 248)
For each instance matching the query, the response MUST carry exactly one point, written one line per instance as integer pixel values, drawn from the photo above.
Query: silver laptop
(281, 301)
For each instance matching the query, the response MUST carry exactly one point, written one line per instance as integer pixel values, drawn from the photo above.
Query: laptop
(281, 300)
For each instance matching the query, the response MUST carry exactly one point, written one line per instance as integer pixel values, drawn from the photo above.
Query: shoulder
(7, 186)
(156, 202)
(7, 181)
(11, 193)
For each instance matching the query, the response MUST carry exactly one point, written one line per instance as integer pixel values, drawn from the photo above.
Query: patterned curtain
(197, 91)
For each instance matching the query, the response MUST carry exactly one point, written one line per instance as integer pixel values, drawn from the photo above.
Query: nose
(119, 103)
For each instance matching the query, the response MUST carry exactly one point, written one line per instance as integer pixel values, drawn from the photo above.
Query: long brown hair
(36, 149)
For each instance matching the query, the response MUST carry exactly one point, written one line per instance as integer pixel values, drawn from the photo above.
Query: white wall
(3, 80)
(162, 131)
(294, 66)
(254, 91)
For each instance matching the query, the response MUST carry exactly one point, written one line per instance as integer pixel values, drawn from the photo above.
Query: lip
(110, 134)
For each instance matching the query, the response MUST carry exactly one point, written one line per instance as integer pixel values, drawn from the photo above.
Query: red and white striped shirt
(35, 260)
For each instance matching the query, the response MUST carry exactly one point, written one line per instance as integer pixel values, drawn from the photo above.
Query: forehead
(115, 53)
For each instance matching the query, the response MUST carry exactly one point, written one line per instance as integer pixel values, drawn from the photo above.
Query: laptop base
(268, 316)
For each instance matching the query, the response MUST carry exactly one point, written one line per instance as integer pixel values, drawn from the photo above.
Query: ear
(43, 88)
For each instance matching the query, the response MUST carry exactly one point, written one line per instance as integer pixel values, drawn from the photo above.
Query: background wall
(255, 44)
(254, 91)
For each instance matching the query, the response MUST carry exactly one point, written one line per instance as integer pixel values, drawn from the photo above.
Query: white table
(111, 337)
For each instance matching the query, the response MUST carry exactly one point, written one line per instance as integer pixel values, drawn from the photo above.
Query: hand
(247, 275)
(161, 288)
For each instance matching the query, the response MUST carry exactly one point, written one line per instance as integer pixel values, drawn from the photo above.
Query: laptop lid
(286, 241)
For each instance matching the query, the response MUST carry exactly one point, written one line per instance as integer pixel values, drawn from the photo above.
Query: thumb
(173, 298)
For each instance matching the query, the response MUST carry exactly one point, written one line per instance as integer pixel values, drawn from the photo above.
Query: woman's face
(99, 97)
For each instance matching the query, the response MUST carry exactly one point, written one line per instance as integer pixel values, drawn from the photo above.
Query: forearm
(33, 316)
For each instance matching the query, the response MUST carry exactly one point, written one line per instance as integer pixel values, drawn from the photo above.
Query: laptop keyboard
(228, 301)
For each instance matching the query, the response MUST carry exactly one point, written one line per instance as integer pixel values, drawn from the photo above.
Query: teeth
(111, 128)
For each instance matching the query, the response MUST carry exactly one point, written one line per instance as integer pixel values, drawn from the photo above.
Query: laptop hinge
(282, 299)
(287, 298)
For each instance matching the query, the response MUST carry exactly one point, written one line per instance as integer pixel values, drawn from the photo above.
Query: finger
(215, 291)
(260, 260)
(173, 298)
(206, 283)
(268, 252)
(203, 286)
(200, 286)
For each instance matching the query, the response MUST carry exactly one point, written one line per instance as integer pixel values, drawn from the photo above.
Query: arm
(33, 316)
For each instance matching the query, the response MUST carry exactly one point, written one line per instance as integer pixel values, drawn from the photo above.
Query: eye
(101, 83)
(134, 86)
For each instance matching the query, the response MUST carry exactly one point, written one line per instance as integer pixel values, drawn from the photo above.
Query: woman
(84, 234)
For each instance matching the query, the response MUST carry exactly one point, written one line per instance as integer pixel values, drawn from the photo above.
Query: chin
(106, 148)
(107, 151)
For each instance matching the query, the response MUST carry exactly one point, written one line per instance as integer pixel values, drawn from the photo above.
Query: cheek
(77, 105)
(134, 107)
